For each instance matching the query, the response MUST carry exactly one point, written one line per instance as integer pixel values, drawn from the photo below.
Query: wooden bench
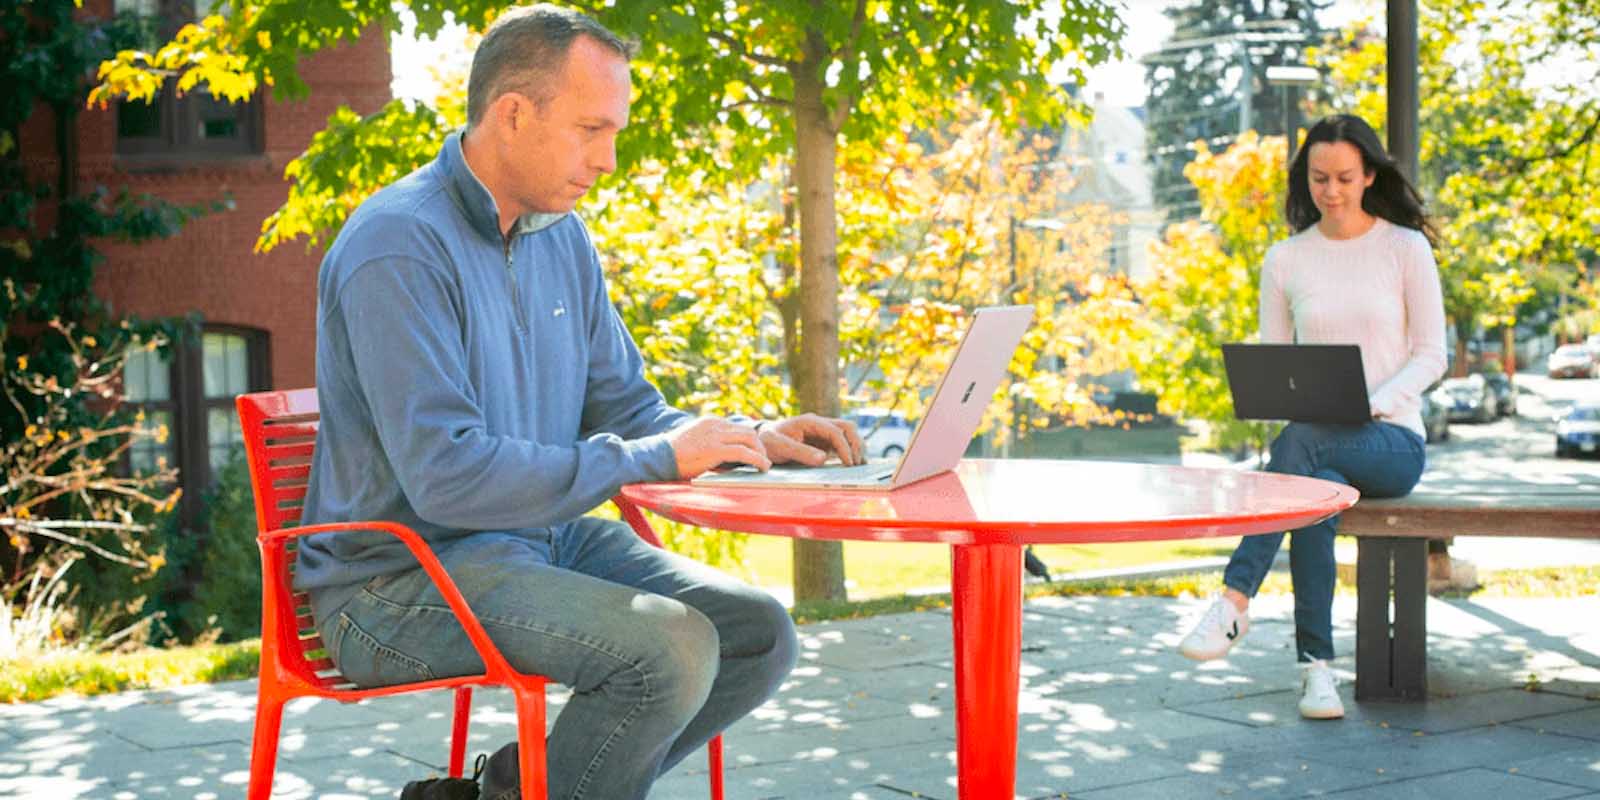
(1392, 560)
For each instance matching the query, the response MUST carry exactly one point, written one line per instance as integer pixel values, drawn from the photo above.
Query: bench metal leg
(1391, 652)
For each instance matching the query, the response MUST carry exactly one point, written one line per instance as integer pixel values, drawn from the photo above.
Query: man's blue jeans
(1379, 459)
(661, 652)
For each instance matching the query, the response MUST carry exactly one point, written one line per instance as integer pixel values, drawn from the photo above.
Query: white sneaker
(1217, 632)
(1319, 692)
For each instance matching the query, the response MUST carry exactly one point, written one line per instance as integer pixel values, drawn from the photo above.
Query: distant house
(258, 311)
(1112, 171)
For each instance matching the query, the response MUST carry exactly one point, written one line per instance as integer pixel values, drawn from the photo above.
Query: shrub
(227, 597)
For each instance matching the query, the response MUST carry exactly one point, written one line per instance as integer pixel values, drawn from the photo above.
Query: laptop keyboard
(860, 473)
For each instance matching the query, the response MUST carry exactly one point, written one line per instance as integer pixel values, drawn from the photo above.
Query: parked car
(1578, 430)
(885, 434)
(1435, 419)
(1573, 361)
(1468, 398)
(1505, 393)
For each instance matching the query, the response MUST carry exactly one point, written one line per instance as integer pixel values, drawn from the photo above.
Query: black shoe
(1034, 566)
(502, 775)
(444, 788)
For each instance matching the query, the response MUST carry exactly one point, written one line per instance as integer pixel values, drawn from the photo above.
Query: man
(477, 385)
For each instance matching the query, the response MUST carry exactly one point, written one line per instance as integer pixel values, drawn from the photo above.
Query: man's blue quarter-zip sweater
(470, 383)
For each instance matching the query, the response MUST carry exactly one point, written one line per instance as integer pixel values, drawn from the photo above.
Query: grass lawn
(880, 569)
(29, 679)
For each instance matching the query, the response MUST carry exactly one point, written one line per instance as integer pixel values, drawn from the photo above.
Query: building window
(226, 374)
(196, 124)
(191, 392)
(147, 383)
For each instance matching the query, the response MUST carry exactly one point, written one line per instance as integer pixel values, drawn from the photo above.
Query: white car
(1573, 361)
(884, 433)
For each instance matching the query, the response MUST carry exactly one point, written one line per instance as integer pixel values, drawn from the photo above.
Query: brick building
(258, 311)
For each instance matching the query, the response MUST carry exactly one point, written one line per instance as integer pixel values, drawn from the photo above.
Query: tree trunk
(1509, 347)
(1461, 367)
(66, 130)
(818, 566)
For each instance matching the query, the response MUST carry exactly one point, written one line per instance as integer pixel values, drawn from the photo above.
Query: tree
(1510, 163)
(924, 222)
(1206, 283)
(1504, 293)
(1208, 83)
(60, 430)
(788, 78)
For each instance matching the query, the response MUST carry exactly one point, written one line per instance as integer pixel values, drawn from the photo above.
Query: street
(1520, 447)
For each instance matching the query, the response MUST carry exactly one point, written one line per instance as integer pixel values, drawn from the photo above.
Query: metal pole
(1288, 125)
(1404, 144)
(1247, 89)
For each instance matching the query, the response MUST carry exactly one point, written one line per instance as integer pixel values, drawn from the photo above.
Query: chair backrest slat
(280, 434)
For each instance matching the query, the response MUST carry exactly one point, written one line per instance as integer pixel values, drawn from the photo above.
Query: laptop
(941, 438)
(1297, 382)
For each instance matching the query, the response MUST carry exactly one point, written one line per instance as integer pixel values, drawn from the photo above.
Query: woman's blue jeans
(1379, 459)
(661, 652)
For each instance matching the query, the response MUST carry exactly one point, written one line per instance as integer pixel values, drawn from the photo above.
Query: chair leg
(458, 731)
(530, 741)
(714, 755)
(264, 750)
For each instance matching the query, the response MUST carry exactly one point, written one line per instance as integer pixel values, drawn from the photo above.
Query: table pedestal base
(986, 609)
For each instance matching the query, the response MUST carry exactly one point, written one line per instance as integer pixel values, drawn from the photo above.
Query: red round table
(986, 510)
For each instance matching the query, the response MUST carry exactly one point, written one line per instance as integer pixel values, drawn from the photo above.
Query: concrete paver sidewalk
(1108, 710)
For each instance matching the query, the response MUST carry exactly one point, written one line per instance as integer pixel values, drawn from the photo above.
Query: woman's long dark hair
(1390, 196)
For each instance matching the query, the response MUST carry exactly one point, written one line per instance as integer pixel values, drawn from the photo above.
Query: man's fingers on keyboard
(786, 449)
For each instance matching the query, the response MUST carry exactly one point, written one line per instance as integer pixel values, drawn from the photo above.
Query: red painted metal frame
(279, 434)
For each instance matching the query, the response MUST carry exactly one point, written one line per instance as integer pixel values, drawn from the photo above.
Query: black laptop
(1297, 382)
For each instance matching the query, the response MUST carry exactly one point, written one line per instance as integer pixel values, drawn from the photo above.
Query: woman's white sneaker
(1319, 692)
(1217, 632)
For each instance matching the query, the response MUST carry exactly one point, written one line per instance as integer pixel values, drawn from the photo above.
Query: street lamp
(1292, 79)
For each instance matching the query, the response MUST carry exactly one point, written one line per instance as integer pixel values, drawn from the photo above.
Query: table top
(1017, 501)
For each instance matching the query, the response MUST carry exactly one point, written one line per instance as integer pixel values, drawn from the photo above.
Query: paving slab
(1583, 723)
(1263, 778)
(1421, 755)
(1438, 715)
(341, 776)
(1579, 766)
(1464, 783)
(1296, 741)
(878, 774)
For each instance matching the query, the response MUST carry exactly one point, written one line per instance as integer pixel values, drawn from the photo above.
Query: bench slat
(1568, 508)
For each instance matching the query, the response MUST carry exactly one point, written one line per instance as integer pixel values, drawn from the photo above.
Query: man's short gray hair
(524, 50)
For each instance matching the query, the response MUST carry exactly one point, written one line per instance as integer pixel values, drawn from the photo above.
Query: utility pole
(1404, 143)
(1247, 81)
(1292, 79)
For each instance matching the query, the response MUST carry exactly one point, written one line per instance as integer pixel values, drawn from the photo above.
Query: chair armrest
(495, 664)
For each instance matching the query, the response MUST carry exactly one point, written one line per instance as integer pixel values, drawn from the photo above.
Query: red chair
(279, 434)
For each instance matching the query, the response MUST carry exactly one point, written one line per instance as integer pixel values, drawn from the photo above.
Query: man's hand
(809, 438)
(710, 441)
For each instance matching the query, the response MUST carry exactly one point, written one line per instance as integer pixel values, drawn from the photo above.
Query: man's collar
(474, 199)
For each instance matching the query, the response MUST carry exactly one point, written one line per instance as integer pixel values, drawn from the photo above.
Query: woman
(1359, 269)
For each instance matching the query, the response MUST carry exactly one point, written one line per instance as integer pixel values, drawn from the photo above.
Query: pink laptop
(946, 429)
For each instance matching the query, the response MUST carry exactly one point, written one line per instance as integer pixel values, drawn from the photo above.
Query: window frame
(179, 118)
(179, 123)
(189, 445)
